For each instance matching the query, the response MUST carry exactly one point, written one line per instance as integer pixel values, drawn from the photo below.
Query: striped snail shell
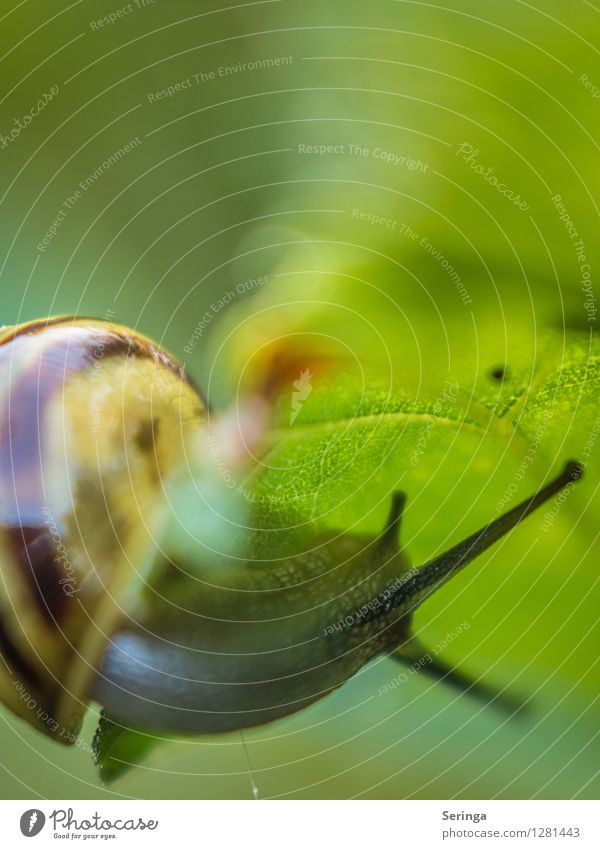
(94, 421)
(93, 418)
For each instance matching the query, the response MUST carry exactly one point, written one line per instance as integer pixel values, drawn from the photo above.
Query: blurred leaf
(117, 749)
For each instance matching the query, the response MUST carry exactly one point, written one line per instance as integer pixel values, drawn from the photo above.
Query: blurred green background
(219, 107)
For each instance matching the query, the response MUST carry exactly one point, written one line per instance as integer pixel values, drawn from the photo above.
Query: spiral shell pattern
(94, 418)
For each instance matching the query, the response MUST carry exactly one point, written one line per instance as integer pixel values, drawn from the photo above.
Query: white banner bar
(302, 824)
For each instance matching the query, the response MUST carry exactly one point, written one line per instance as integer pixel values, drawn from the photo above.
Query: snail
(95, 421)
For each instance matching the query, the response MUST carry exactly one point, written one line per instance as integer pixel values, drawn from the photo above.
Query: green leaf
(351, 444)
(118, 749)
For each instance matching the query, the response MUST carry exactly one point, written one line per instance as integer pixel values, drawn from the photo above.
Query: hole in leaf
(499, 373)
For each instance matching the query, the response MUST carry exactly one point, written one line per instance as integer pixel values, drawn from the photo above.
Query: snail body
(96, 421)
(264, 640)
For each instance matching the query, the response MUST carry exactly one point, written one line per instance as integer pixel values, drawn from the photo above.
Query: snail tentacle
(418, 658)
(425, 580)
(389, 541)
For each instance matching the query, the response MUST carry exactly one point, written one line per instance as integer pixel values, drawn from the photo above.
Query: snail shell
(93, 420)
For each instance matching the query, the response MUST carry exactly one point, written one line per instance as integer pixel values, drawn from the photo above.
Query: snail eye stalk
(422, 582)
(388, 543)
(419, 584)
